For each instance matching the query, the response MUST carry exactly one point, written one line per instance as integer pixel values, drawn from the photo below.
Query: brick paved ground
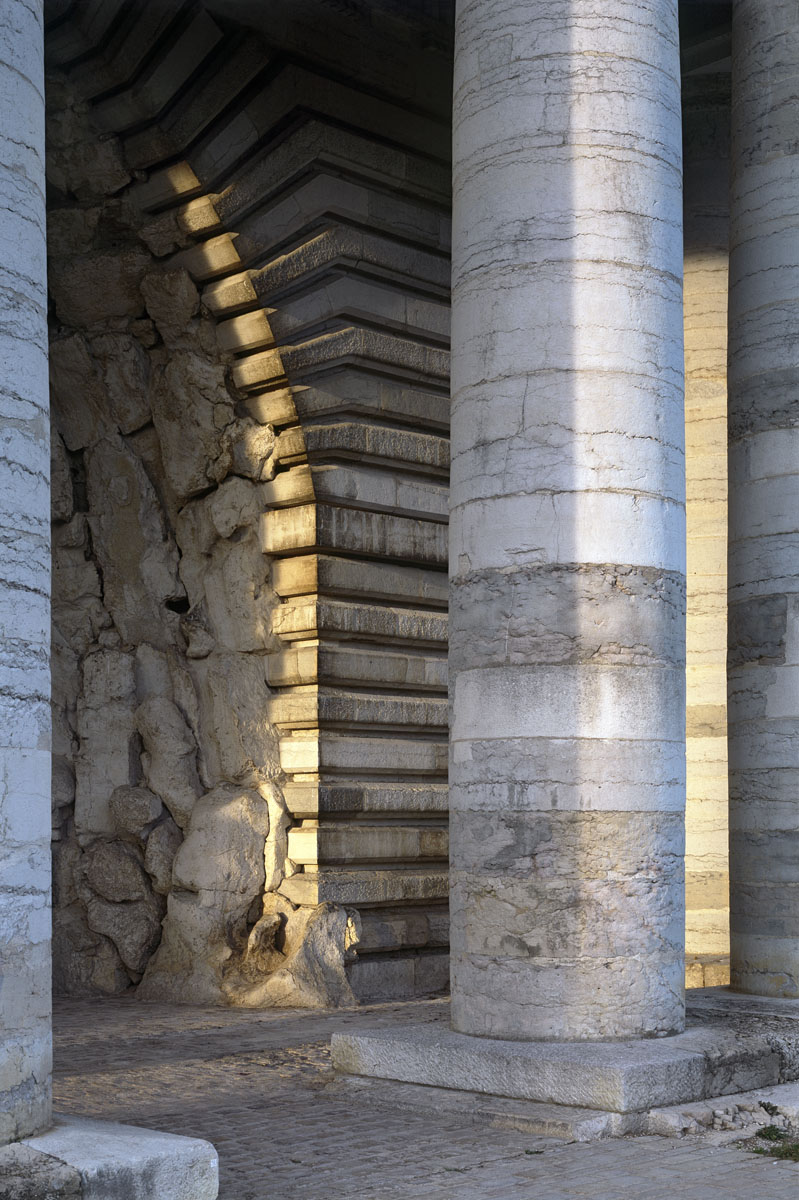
(259, 1086)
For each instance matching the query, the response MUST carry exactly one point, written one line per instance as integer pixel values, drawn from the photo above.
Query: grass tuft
(772, 1133)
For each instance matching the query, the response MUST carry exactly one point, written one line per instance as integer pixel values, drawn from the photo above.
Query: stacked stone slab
(706, 117)
(763, 662)
(312, 215)
(346, 355)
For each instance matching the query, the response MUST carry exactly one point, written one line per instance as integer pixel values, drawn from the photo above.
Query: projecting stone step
(231, 71)
(337, 843)
(383, 488)
(350, 754)
(321, 145)
(355, 796)
(313, 573)
(380, 535)
(373, 886)
(313, 706)
(363, 440)
(352, 204)
(403, 928)
(161, 81)
(349, 391)
(391, 976)
(740, 1112)
(560, 1122)
(313, 616)
(353, 344)
(338, 663)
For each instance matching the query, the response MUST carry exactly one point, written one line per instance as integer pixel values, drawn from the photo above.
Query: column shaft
(568, 522)
(24, 582)
(763, 650)
(706, 121)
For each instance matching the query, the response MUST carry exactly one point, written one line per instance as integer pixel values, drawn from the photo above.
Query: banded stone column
(567, 522)
(24, 582)
(763, 651)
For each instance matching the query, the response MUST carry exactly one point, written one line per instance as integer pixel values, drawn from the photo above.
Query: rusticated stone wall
(249, 326)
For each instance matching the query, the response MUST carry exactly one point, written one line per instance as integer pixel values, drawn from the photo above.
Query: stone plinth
(97, 1160)
(626, 1076)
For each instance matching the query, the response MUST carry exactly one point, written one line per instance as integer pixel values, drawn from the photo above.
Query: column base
(620, 1077)
(95, 1160)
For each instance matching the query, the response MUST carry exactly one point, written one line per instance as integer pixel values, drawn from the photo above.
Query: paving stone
(259, 1086)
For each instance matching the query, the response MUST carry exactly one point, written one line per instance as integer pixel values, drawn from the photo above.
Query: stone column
(706, 121)
(567, 522)
(24, 582)
(763, 650)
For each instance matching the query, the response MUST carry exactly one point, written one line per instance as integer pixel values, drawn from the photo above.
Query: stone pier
(763, 655)
(41, 1155)
(567, 576)
(567, 775)
(25, 1060)
(567, 564)
(706, 116)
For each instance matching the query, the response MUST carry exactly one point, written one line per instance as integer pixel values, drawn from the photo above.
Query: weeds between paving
(773, 1142)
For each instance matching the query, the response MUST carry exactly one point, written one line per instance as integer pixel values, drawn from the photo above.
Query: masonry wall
(249, 284)
(706, 114)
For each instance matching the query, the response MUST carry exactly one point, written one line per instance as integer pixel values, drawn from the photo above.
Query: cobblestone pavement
(259, 1086)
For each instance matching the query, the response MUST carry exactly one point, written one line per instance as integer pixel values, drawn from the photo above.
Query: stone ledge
(620, 1077)
(722, 1118)
(99, 1160)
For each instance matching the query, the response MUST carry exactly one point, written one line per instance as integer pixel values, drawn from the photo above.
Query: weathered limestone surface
(622, 1076)
(764, 499)
(25, 1055)
(567, 523)
(706, 100)
(250, 393)
(97, 1160)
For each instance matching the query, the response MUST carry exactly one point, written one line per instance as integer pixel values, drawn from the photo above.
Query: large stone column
(706, 120)
(567, 556)
(24, 582)
(763, 657)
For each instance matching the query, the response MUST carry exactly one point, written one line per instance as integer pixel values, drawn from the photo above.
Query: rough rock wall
(707, 120)
(249, 378)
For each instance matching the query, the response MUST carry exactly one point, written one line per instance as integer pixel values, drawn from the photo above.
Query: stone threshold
(733, 1044)
(97, 1160)
(725, 1118)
